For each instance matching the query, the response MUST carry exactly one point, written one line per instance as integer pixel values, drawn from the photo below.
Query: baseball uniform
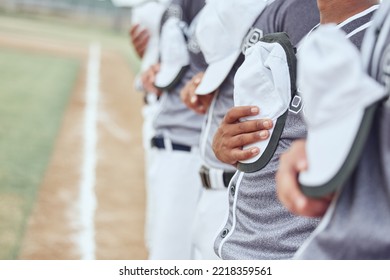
(148, 15)
(258, 226)
(174, 171)
(212, 207)
(356, 225)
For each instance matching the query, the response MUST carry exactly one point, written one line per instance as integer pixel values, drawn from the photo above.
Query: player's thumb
(301, 163)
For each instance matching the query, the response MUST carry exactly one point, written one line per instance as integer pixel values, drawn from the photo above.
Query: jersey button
(233, 190)
(224, 233)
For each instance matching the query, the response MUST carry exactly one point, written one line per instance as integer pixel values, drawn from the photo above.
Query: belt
(159, 143)
(215, 178)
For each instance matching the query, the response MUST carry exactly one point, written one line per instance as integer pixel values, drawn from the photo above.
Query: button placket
(233, 190)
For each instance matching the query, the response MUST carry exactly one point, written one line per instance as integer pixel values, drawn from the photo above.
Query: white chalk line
(87, 197)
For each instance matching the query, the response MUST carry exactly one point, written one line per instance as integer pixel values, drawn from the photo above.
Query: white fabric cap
(174, 56)
(336, 91)
(263, 80)
(222, 26)
(148, 16)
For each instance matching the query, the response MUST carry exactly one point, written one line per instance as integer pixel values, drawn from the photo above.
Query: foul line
(87, 199)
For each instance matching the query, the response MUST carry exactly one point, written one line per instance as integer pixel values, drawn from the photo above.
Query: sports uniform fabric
(174, 173)
(258, 225)
(148, 15)
(356, 225)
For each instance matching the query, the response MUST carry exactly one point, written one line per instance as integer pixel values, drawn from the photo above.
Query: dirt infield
(119, 218)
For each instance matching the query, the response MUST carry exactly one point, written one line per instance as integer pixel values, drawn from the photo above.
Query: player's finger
(155, 68)
(200, 109)
(197, 79)
(141, 49)
(133, 30)
(234, 114)
(239, 155)
(184, 96)
(289, 192)
(248, 138)
(194, 103)
(141, 39)
(251, 126)
(287, 184)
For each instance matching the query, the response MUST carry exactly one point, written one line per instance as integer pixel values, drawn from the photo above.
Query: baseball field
(71, 158)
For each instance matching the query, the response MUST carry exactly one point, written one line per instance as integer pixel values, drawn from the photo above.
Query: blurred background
(93, 12)
(71, 158)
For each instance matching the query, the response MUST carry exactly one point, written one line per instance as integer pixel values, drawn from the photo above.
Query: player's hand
(232, 135)
(148, 78)
(139, 39)
(291, 163)
(197, 103)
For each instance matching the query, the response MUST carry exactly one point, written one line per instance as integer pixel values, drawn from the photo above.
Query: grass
(34, 91)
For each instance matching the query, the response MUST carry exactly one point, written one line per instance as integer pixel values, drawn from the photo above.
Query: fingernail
(301, 203)
(197, 81)
(301, 164)
(254, 110)
(267, 124)
(194, 99)
(255, 151)
(263, 134)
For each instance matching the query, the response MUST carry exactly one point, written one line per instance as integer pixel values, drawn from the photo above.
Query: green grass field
(34, 91)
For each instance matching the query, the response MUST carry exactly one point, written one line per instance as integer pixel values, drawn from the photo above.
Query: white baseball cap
(266, 79)
(148, 16)
(340, 103)
(174, 56)
(222, 26)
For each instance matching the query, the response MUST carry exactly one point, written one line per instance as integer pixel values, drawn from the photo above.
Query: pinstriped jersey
(259, 226)
(174, 120)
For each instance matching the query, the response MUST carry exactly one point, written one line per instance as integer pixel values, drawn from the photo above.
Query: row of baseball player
(266, 128)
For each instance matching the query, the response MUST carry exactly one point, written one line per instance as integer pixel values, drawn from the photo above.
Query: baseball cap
(148, 16)
(340, 103)
(266, 79)
(174, 56)
(222, 26)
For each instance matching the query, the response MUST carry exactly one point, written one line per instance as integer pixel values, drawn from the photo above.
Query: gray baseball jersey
(357, 224)
(258, 226)
(174, 120)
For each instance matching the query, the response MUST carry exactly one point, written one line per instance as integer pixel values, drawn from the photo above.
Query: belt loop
(205, 177)
(167, 144)
(195, 150)
(216, 179)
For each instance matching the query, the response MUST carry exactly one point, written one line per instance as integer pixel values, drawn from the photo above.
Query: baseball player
(296, 18)
(248, 186)
(173, 171)
(144, 34)
(356, 222)
(215, 175)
